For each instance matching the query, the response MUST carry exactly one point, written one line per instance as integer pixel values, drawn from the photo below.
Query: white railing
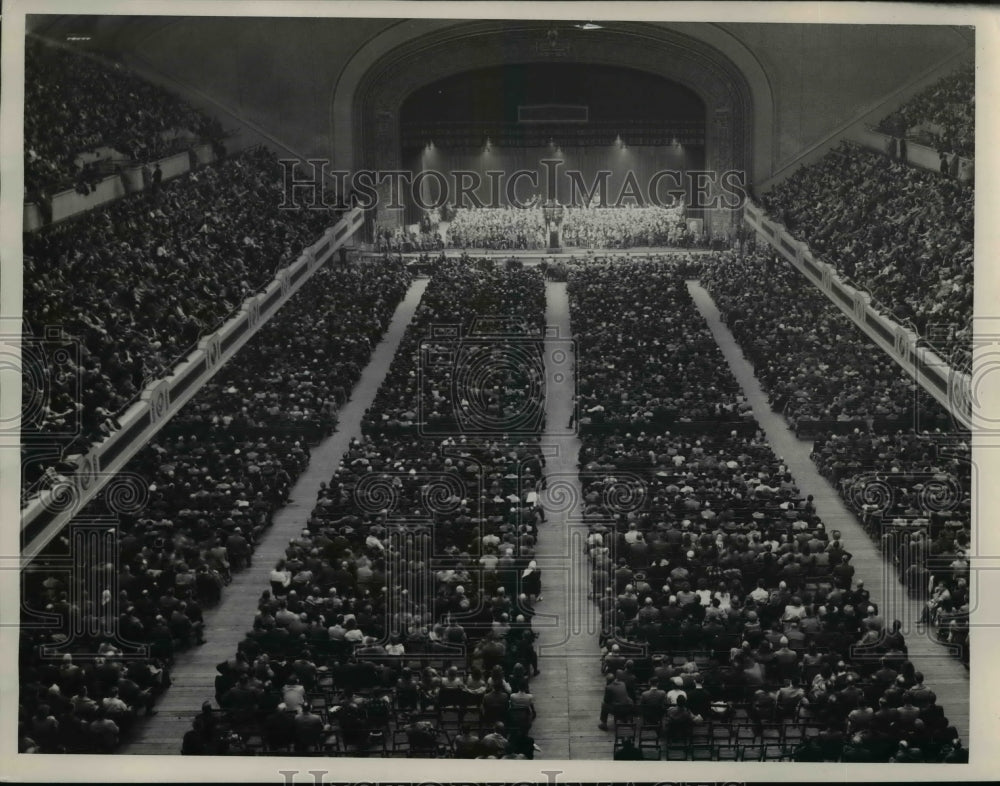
(951, 387)
(127, 180)
(916, 154)
(48, 513)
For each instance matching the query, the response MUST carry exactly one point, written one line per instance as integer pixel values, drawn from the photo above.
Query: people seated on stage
(76, 104)
(211, 481)
(133, 287)
(407, 239)
(942, 116)
(902, 233)
(498, 228)
(625, 227)
(583, 227)
(811, 360)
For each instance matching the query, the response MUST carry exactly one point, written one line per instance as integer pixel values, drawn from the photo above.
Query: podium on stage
(553, 213)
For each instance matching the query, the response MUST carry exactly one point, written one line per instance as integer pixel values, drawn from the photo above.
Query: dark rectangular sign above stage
(553, 113)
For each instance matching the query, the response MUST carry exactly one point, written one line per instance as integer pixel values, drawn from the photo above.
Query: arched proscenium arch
(464, 47)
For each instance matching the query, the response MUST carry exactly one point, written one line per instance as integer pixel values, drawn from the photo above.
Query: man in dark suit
(616, 700)
(652, 702)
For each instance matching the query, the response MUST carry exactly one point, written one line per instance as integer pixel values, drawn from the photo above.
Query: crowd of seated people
(902, 233)
(902, 468)
(211, 482)
(294, 384)
(912, 492)
(407, 239)
(942, 116)
(625, 227)
(499, 228)
(585, 227)
(134, 285)
(75, 104)
(669, 370)
(811, 360)
(399, 621)
(732, 623)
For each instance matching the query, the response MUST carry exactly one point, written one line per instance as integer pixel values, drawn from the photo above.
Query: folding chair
(803, 713)
(772, 733)
(721, 733)
(332, 745)
(751, 752)
(727, 752)
(400, 743)
(427, 750)
(674, 751)
(450, 717)
(473, 716)
(253, 743)
(740, 713)
(810, 730)
(650, 751)
(788, 752)
(702, 752)
(625, 728)
(701, 733)
(378, 740)
(773, 752)
(650, 717)
(793, 734)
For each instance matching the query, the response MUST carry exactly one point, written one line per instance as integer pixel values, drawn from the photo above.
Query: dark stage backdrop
(642, 161)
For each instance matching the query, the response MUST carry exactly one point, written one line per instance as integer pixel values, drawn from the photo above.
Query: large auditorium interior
(519, 388)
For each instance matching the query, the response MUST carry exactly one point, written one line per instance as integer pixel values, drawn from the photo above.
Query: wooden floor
(194, 672)
(568, 691)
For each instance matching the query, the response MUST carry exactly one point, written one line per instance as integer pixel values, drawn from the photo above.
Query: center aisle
(943, 673)
(225, 625)
(569, 689)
